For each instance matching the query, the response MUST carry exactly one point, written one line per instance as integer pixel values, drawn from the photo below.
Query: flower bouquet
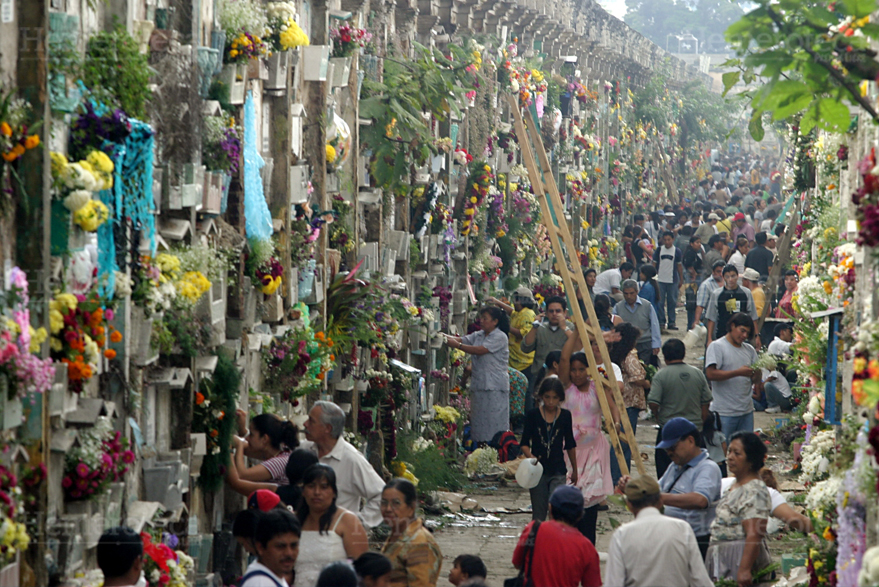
(244, 22)
(297, 363)
(101, 458)
(478, 181)
(164, 567)
(13, 533)
(20, 344)
(79, 329)
(285, 33)
(14, 138)
(221, 146)
(216, 397)
(348, 39)
(75, 183)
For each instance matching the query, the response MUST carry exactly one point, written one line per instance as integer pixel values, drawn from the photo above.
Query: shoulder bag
(523, 579)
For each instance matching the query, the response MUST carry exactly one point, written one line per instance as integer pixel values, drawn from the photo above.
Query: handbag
(523, 579)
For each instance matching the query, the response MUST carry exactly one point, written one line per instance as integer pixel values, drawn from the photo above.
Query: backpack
(506, 445)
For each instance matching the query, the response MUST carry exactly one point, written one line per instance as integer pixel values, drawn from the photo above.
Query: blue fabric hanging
(257, 218)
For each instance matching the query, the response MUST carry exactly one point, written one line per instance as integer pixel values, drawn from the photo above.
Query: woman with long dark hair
(414, 554)
(270, 440)
(329, 533)
(490, 379)
(606, 319)
(649, 288)
(634, 389)
(592, 469)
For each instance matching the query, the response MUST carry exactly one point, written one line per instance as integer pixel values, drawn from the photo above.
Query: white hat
(751, 275)
(713, 216)
(529, 473)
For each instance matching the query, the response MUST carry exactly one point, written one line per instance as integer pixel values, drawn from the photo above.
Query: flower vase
(277, 64)
(10, 574)
(341, 71)
(234, 77)
(256, 69)
(141, 333)
(212, 195)
(436, 342)
(208, 58)
(361, 386)
(10, 408)
(306, 280)
(218, 42)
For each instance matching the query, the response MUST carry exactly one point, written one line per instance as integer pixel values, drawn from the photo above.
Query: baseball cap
(713, 216)
(751, 274)
(263, 500)
(641, 487)
(674, 430)
(523, 292)
(568, 501)
(739, 216)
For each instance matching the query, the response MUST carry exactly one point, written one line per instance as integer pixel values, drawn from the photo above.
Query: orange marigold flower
(199, 398)
(116, 336)
(5, 129)
(214, 433)
(110, 354)
(32, 142)
(320, 377)
(10, 157)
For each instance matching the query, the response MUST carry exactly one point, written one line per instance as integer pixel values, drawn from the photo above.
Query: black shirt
(548, 441)
(693, 258)
(724, 314)
(760, 260)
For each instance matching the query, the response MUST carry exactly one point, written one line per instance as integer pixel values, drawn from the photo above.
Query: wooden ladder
(547, 193)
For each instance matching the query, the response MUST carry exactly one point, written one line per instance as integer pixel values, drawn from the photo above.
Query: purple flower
(82, 470)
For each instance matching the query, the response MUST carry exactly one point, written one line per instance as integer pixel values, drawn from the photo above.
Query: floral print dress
(593, 450)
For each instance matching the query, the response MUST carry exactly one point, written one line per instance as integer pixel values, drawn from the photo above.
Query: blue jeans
(615, 473)
(732, 424)
(668, 303)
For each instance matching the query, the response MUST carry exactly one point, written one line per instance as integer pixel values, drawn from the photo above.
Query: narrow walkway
(493, 536)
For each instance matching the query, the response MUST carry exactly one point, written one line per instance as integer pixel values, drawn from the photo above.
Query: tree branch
(853, 90)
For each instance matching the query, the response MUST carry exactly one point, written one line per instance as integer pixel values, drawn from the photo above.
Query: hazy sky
(615, 7)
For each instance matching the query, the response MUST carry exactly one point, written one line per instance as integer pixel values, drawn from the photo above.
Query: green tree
(807, 58)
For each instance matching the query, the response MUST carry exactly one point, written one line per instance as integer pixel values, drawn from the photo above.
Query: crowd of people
(312, 503)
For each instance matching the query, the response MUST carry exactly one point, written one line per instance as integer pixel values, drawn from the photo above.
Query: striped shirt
(277, 466)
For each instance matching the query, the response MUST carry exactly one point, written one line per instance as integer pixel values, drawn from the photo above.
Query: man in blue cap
(691, 485)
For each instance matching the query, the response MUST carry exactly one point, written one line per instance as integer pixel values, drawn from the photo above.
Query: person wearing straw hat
(653, 549)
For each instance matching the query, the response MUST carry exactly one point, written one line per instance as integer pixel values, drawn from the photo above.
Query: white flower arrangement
(123, 285)
(480, 462)
(822, 496)
(420, 444)
(373, 373)
(814, 457)
(869, 574)
(867, 337)
(281, 10)
(519, 170)
(238, 16)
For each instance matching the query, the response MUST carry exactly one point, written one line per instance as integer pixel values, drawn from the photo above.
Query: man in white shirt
(783, 341)
(653, 549)
(277, 546)
(608, 282)
(355, 477)
(669, 274)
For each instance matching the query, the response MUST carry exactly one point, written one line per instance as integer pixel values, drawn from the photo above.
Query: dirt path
(493, 536)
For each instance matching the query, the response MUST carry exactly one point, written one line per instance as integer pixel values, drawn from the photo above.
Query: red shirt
(563, 557)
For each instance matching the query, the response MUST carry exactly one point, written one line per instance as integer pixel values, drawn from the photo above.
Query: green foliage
(415, 256)
(399, 134)
(431, 468)
(178, 328)
(222, 393)
(116, 72)
(804, 67)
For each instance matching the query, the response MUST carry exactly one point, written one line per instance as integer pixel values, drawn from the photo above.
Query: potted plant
(284, 36)
(347, 40)
(244, 23)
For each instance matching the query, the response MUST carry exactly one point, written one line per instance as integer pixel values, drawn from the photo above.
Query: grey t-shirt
(733, 396)
(681, 391)
(490, 370)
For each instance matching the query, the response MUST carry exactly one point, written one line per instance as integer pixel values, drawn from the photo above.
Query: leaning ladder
(547, 193)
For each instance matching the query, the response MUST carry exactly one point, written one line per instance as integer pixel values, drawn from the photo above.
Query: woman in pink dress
(786, 305)
(593, 450)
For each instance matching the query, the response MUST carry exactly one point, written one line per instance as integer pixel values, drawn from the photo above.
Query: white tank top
(316, 551)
